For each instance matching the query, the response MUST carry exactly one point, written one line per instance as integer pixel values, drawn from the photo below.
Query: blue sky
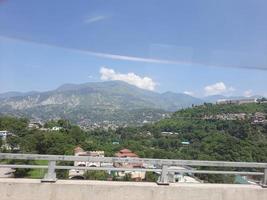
(198, 47)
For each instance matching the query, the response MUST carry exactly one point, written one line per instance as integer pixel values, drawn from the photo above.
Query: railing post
(264, 181)
(50, 176)
(164, 180)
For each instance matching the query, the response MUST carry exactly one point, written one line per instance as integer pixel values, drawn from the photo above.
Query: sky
(200, 48)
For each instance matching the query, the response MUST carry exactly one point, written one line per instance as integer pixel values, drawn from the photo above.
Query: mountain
(10, 94)
(15, 94)
(96, 102)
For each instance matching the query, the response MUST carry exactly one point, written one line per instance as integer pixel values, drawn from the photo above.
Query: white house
(56, 128)
(78, 174)
(4, 134)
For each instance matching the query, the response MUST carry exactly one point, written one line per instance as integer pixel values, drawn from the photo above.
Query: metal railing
(162, 166)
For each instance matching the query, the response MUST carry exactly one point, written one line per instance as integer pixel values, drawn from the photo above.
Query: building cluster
(35, 125)
(124, 153)
(242, 101)
(169, 133)
(106, 125)
(256, 118)
(127, 168)
(79, 173)
(237, 101)
(259, 118)
(227, 116)
(147, 118)
(40, 126)
(135, 175)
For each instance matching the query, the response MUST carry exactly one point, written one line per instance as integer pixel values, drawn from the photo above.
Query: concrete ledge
(28, 189)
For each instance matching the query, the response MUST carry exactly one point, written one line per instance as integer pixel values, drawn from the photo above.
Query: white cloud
(90, 20)
(248, 93)
(189, 93)
(134, 59)
(217, 88)
(131, 78)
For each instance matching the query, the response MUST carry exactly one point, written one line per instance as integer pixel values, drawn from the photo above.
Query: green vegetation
(38, 173)
(151, 177)
(208, 139)
(96, 175)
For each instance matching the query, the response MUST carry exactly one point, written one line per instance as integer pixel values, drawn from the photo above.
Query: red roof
(126, 153)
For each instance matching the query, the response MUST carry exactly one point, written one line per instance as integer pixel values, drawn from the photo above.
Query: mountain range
(95, 102)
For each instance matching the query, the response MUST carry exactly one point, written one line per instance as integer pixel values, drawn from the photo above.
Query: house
(34, 125)
(80, 152)
(185, 143)
(115, 143)
(79, 173)
(135, 175)
(126, 153)
(4, 134)
(259, 118)
(56, 128)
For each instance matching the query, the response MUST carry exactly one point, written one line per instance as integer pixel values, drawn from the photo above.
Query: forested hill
(212, 109)
(218, 132)
(208, 132)
(212, 132)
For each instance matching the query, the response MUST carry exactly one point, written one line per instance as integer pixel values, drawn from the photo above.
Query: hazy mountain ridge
(16, 94)
(96, 102)
(116, 94)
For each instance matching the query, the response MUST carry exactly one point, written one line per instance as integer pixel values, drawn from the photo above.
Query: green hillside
(186, 135)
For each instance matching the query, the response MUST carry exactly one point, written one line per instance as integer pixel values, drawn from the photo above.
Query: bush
(96, 175)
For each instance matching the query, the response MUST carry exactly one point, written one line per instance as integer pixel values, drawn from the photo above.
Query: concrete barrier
(28, 189)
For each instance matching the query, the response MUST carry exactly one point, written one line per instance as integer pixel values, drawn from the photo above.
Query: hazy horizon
(53, 89)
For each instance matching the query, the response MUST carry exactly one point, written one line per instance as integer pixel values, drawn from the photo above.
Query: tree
(151, 177)
(96, 175)
(13, 142)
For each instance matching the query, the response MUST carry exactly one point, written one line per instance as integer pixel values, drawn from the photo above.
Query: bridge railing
(163, 166)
